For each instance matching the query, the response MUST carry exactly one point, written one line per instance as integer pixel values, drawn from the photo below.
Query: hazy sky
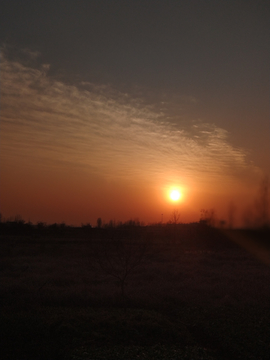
(107, 105)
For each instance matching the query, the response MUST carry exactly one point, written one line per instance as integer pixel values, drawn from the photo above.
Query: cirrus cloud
(51, 123)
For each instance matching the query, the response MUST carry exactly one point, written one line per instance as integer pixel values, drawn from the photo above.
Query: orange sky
(73, 150)
(106, 105)
(75, 154)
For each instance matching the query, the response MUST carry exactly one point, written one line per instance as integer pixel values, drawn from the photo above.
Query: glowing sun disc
(175, 195)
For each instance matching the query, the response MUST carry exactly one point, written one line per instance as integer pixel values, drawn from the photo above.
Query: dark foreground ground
(190, 293)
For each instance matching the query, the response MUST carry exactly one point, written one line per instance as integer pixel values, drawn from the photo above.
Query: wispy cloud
(105, 132)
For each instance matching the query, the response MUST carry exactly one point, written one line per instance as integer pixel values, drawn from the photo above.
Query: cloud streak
(48, 122)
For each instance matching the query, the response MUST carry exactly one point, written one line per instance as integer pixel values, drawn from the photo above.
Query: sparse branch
(119, 257)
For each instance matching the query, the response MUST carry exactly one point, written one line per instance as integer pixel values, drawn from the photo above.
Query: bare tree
(121, 255)
(208, 217)
(248, 217)
(231, 214)
(99, 222)
(175, 217)
(262, 203)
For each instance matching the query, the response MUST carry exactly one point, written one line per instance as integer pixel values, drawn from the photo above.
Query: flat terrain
(171, 292)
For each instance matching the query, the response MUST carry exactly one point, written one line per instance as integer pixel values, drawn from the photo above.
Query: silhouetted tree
(262, 203)
(248, 217)
(99, 222)
(222, 224)
(121, 255)
(175, 217)
(18, 219)
(41, 225)
(208, 217)
(86, 226)
(231, 214)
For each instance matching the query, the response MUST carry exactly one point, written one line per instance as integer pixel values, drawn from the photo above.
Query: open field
(174, 292)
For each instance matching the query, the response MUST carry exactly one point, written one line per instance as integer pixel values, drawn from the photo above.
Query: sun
(175, 195)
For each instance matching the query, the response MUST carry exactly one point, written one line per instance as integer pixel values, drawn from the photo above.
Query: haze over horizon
(108, 106)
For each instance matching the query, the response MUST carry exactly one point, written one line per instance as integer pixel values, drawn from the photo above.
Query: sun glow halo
(175, 195)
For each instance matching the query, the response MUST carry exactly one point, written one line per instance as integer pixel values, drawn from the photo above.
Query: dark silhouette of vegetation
(257, 215)
(262, 204)
(122, 254)
(208, 217)
(175, 217)
(192, 290)
(231, 214)
(99, 223)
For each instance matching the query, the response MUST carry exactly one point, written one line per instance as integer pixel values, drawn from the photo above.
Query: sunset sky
(107, 106)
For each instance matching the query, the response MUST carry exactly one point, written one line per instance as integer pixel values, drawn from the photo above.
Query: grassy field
(172, 292)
